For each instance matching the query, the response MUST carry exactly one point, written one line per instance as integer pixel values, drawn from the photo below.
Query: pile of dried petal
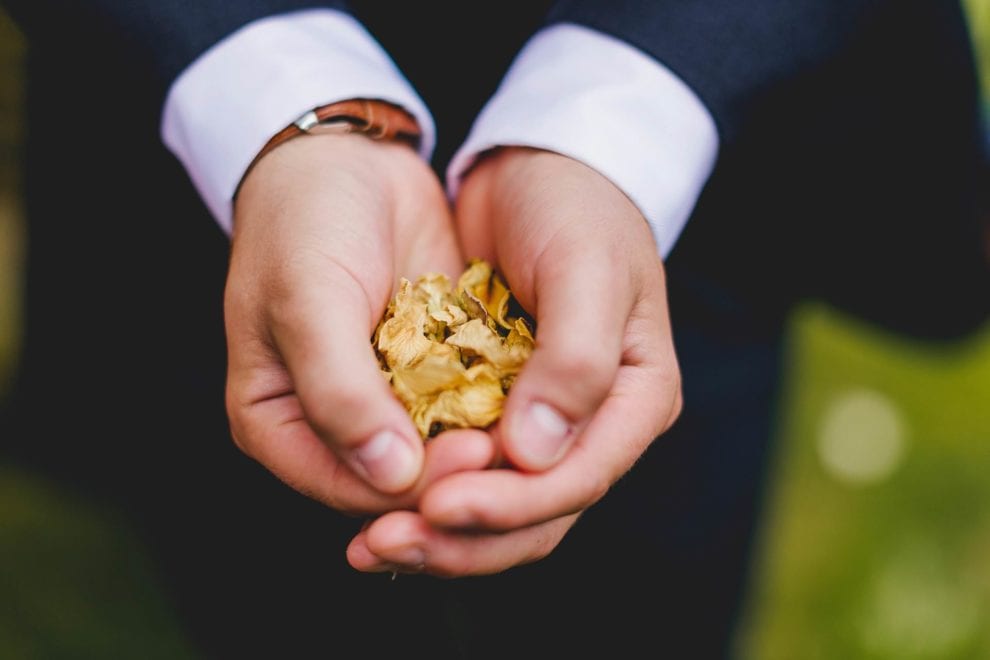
(452, 354)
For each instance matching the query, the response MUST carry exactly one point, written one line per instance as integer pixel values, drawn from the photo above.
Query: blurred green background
(876, 542)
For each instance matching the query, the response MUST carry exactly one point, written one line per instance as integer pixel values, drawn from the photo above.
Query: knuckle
(237, 435)
(582, 367)
(501, 520)
(677, 408)
(284, 307)
(672, 390)
(328, 406)
(237, 422)
(454, 562)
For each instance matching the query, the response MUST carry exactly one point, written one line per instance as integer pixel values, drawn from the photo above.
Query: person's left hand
(602, 383)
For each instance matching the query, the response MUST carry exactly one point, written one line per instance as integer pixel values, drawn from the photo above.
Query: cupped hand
(324, 226)
(601, 385)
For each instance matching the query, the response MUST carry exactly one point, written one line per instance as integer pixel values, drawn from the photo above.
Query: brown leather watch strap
(379, 120)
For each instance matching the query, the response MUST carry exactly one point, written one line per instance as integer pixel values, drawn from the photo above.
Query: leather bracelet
(376, 119)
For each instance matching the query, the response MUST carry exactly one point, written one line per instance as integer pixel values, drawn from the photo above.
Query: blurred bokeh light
(876, 541)
(861, 439)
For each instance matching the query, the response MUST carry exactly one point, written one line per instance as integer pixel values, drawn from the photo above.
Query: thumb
(326, 346)
(582, 306)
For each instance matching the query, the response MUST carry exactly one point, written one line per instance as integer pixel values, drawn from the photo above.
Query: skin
(580, 257)
(324, 227)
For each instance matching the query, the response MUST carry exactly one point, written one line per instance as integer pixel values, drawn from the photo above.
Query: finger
(322, 334)
(457, 450)
(277, 435)
(404, 541)
(583, 304)
(642, 407)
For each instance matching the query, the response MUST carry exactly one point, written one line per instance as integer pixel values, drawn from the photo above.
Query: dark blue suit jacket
(849, 128)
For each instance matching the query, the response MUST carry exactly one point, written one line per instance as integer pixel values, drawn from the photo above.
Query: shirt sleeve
(224, 107)
(597, 99)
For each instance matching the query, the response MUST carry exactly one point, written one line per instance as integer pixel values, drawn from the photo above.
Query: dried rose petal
(451, 355)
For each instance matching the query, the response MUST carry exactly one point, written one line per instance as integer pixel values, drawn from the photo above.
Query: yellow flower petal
(450, 356)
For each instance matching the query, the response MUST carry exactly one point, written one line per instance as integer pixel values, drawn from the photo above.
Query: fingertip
(389, 461)
(538, 436)
(395, 529)
(398, 539)
(461, 449)
(359, 556)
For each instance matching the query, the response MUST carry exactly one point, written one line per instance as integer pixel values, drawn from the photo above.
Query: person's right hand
(324, 226)
(602, 383)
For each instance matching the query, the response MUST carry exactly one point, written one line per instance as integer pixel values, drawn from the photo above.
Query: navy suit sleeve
(166, 35)
(729, 52)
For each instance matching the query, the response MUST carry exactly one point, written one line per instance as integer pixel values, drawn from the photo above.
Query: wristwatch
(379, 120)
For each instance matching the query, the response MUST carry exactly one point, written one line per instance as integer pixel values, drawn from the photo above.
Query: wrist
(382, 176)
(496, 178)
(375, 119)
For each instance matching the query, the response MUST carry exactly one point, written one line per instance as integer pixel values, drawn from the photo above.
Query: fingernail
(387, 461)
(542, 436)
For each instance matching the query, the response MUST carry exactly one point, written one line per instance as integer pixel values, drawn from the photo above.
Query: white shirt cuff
(230, 101)
(599, 100)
